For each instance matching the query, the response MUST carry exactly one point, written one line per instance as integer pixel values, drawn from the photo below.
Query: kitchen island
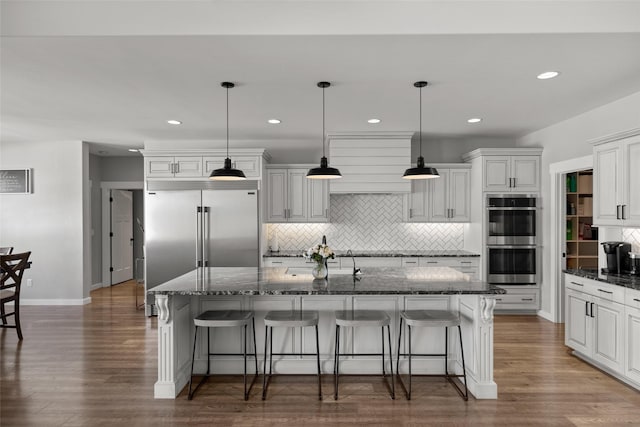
(275, 288)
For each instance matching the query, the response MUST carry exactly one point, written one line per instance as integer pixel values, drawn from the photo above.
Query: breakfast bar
(275, 288)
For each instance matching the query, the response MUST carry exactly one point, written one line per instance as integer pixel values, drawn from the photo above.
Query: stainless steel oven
(512, 219)
(513, 264)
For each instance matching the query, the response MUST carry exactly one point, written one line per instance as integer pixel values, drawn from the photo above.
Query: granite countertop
(276, 281)
(625, 280)
(381, 253)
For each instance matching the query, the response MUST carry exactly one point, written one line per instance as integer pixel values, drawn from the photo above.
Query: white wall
(568, 140)
(49, 222)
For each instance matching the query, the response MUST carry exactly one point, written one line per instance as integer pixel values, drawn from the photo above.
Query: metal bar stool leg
(264, 369)
(464, 369)
(409, 391)
(193, 356)
(255, 346)
(244, 377)
(384, 374)
(337, 363)
(318, 359)
(393, 382)
(446, 351)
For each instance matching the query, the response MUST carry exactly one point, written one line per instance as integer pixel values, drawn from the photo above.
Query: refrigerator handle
(205, 236)
(198, 236)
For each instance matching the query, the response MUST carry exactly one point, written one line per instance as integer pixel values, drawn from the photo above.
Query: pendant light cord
(323, 154)
(421, 122)
(227, 122)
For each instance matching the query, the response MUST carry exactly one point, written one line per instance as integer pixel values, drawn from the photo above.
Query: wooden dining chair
(6, 250)
(11, 269)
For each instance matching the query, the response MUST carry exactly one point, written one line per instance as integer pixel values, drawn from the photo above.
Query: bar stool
(224, 319)
(432, 318)
(352, 318)
(291, 319)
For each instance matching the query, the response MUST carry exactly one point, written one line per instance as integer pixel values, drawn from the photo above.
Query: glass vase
(320, 271)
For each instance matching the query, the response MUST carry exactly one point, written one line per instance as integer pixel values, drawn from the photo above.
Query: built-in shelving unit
(582, 237)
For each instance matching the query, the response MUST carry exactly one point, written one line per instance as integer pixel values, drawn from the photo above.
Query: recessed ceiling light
(548, 75)
(133, 150)
(174, 122)
(274, 121)
(474, 120)
(373, 121)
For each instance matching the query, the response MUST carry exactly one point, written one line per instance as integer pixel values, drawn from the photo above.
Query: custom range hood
(370, 162)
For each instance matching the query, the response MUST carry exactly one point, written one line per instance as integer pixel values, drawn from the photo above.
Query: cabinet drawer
(632, 298)
(574, 282)
(517, 299)
(605, 291)
(465, 262)
(285, 262)
(433, 262)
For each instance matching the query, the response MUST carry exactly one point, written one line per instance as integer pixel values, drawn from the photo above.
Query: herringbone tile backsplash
(368, 222)
(632, 235)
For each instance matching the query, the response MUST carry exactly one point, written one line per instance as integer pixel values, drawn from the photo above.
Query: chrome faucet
(355, 270)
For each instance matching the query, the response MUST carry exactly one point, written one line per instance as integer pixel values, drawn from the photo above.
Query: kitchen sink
(295, 271)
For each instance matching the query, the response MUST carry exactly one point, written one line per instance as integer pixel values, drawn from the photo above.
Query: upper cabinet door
(276, 195)
(418, 200)
(318, 195)
(631, 182)
(607, 188)
(459, 197)
(297, 195)
(159, 167)
(525, 172)
(188, 167)
(439, 210)
(497, 173)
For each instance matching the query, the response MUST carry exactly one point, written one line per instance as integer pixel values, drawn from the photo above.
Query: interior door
(121, 236)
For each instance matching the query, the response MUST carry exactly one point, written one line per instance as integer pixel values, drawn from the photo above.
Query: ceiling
(119, 90)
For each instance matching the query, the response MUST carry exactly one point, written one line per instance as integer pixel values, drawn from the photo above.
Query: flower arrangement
(319, 253)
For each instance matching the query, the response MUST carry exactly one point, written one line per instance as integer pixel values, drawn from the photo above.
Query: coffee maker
(617, 257)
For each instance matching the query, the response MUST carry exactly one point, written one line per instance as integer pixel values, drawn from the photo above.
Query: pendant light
(324, 171)
(227, 173)
(420, 171)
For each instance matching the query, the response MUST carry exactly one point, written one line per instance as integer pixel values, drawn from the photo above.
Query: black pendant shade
(420, 171)
(227, 173)
(324, 171)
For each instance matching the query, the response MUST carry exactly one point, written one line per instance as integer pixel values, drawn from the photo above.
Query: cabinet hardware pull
(586, 308)
(465, 262)
(514, 183)
(636, 299)
(606, 292)
(592, 304)
(177, 167)
(624, 216)
(527, 299)
(410, 262)
(432, 262)
(576, 283)
(276, 262)
(618, 212)
(498, 299)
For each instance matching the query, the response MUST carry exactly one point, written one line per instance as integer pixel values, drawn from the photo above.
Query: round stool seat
(430, 318)
(223, 318)
(291, 318)
(362, 318)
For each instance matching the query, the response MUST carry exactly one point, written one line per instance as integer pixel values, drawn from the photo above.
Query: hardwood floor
(96, 365)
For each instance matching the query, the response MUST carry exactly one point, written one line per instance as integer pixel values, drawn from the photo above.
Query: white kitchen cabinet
(444, 199)
(511, 173)
(632, 343)
(616, 176)
(291, 197)
(173, 166)
(595, 321)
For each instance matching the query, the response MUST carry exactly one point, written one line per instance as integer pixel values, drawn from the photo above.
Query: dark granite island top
(277, 281)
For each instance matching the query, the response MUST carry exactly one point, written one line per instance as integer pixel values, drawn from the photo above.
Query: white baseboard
(96, 286)
(546, 315)
(38, 301)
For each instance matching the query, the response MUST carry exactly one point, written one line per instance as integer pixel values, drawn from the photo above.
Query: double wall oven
(513, 257)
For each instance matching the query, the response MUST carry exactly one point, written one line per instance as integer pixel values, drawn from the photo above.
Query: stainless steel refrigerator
(198, 224)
